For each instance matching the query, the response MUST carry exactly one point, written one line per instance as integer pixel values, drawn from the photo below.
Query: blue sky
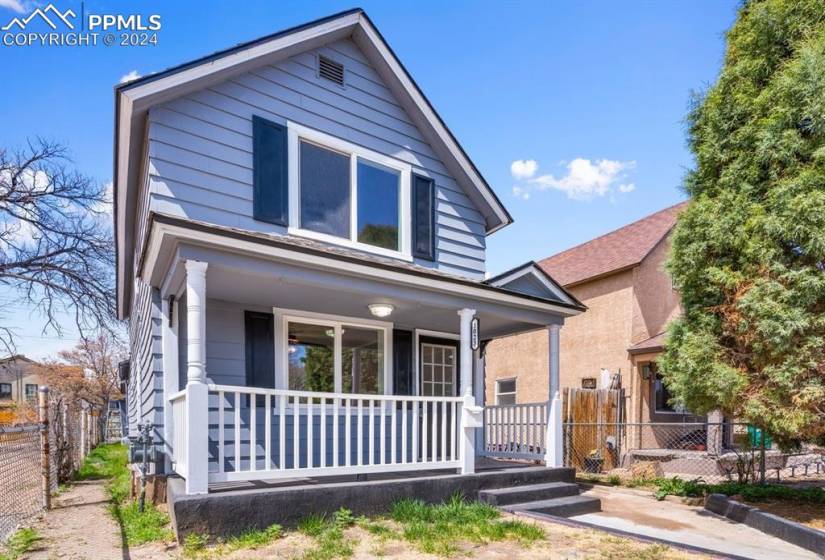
(590, 97)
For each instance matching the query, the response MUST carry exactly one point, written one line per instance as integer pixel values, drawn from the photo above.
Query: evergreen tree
(748, 253)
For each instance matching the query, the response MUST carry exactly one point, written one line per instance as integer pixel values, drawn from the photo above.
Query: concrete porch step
(528, 493)
(566, 506)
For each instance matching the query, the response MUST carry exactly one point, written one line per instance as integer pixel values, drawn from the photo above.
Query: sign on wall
(588, 383)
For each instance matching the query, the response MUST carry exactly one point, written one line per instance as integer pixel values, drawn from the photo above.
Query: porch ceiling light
(381, 309)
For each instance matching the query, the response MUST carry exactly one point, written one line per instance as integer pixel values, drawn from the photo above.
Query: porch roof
(312, 277)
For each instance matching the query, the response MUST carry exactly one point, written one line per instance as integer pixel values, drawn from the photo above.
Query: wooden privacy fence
(592, 434)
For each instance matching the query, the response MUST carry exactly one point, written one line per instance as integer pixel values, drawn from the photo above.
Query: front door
(438, 374)
(439, 369)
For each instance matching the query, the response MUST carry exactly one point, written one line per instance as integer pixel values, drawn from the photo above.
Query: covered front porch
(278, 365)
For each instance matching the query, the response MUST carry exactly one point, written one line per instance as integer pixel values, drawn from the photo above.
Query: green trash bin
(755, 437)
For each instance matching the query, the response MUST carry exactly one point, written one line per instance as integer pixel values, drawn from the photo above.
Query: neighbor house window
(31, 392)
(342, 193)
(661, 394)
(5, 391)
(332, 356)
(506, 391)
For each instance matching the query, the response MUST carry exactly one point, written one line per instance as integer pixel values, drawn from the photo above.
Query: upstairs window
(378, 188)
(325, 191)
(345, 194)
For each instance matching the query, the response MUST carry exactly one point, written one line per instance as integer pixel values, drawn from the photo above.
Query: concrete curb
(790, 531)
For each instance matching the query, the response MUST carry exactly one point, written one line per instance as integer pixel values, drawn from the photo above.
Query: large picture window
(335, 356)
(345, 194)
(311, 351)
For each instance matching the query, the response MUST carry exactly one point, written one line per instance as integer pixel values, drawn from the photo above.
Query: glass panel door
(438, 370)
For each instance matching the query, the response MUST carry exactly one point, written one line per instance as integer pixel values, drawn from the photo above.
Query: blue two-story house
(301, 258)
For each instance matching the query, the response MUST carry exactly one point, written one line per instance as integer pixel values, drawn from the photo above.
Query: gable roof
(134, 98)
(529, 279)
(612, 252)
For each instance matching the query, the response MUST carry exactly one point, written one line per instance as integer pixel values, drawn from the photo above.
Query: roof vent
(331, 70)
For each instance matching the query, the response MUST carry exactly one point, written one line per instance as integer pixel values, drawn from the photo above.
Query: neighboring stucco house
(620, 277)
(19, 380)
(301, 258)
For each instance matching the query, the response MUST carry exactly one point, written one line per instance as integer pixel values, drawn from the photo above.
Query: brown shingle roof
(652, 344)
(614, 251)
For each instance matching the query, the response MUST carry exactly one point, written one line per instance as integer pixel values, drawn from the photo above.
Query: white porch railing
(269, 433)
(179, 435)
(516, 431)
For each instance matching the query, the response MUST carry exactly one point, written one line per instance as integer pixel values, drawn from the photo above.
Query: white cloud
(133, 75)
(13, 5)
(521, 192)
(523, 169)
(584, 179)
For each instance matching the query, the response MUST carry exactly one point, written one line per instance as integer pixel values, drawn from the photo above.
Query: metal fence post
(762, 456)
(45, 467)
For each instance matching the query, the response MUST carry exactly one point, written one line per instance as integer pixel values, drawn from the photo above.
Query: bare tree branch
(56, 246)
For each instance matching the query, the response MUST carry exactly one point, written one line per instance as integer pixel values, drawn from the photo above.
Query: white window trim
(417, 334)
(296, 133)
(336, 322)
(498, 394)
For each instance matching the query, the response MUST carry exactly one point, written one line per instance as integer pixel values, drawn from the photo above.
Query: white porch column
(197, 390)
(553, 455)
(468, 451)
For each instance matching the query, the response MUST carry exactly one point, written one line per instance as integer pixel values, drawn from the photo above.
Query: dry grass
(364, 542)
(812, 515)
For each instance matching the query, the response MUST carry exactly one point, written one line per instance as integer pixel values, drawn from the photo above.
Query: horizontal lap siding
(200, 151)
(145, 389)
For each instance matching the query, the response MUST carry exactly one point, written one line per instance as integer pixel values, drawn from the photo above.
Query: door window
(438, 370)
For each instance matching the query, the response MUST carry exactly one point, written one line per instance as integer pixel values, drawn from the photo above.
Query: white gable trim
(531, 269)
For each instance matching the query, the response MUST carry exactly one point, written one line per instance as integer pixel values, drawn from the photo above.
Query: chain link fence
(714, 452)
(20, 495)
(73, 430)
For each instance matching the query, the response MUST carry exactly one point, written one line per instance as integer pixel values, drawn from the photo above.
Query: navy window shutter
(260, 349)
(402, 349)
(423, 209)
(269, 172)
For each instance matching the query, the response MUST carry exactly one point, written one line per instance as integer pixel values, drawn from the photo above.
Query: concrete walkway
(638, 513)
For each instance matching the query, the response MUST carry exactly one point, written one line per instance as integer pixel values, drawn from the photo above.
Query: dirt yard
(561, 543)
(80, 527)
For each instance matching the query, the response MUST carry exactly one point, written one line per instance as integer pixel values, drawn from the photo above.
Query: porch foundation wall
(227, 513)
